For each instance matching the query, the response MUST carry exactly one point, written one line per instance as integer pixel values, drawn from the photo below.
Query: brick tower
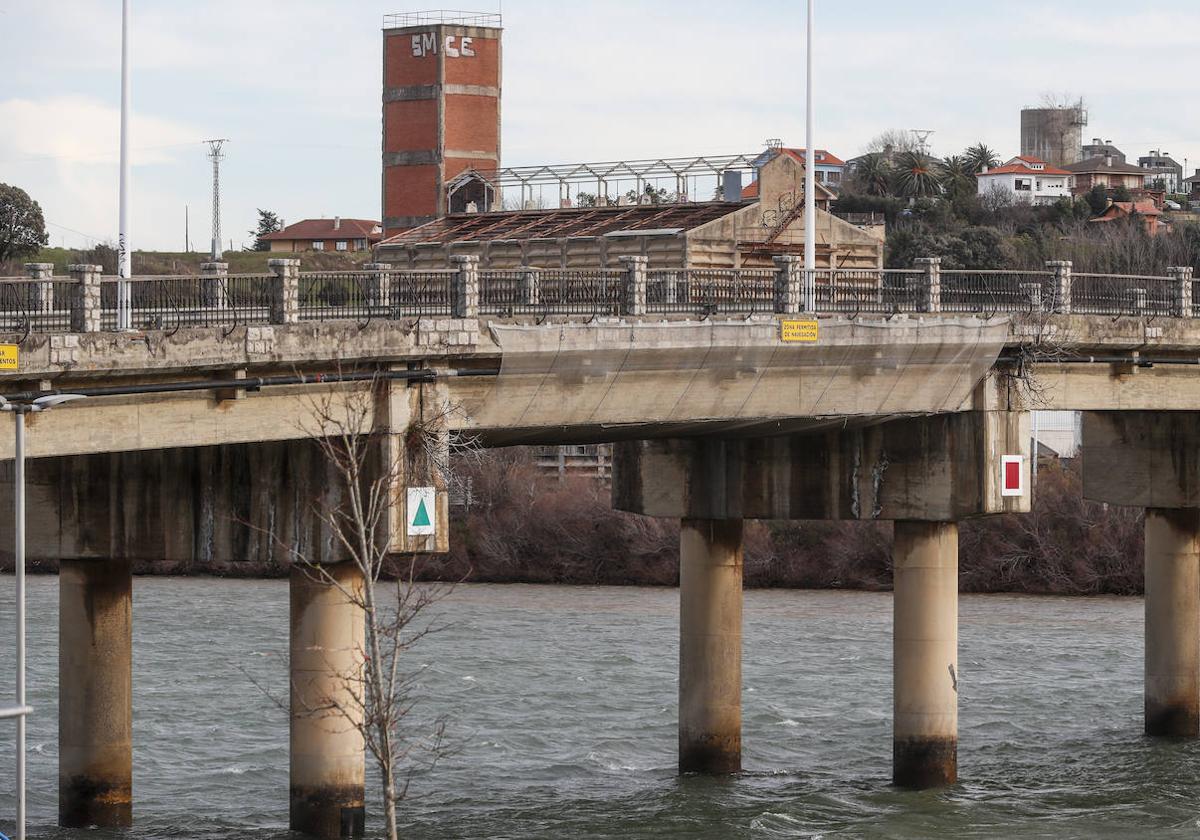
(441, 112)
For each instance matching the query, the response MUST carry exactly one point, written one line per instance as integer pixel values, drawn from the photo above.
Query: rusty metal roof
(652, 219)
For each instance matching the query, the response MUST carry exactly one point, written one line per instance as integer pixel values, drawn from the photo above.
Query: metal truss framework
(600, 176)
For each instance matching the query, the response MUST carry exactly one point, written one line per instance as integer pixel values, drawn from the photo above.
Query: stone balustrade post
(213, 288)
(85, 298)
(530, 293)
(285, 291)
(789, 282)
(41, 293)
(929, 297)
(379, 285)
(633, 301)
(464, 286)
(1062, 285)
(1182, 290)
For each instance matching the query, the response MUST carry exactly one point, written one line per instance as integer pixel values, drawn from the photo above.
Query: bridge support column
(327, 749)
(710, 646)
(95, 690)
(1172, 607)
(925, 654)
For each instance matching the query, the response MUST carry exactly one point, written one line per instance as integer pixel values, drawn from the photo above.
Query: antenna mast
(214, 154)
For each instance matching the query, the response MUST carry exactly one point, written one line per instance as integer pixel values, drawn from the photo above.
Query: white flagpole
(124, 256)
(810, 197)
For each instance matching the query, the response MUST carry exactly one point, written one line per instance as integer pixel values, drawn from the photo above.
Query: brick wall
(417, 68)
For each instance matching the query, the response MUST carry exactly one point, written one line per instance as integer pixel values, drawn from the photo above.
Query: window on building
(318, 245)
(340, 245)
(1039, 186)
(360, 244)
(1022, 184)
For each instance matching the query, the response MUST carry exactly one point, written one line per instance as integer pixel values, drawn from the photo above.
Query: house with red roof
(1027, 180)
(1145, 212)
(828, 169)
(336, 234)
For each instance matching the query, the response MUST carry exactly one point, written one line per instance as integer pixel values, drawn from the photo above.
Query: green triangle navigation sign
(422, 515)
(421, 511)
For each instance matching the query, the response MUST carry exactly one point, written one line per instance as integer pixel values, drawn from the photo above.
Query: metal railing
(441, 16)
(171, 302)
(413, 294)
(1125, 294)
(551, 291)
(43, 303)
(35, 305)
(987, 292)
(710, 290)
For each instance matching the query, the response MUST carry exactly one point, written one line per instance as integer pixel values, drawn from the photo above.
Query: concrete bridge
(905, 396)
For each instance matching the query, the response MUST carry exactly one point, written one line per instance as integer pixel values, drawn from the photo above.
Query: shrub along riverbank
(526, 527)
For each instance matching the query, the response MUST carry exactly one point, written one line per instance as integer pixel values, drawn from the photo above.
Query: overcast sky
(295, 86)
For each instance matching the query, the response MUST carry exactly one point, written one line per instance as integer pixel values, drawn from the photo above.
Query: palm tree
(956, 176)
(874, 174)
(915, 175)
(980, 156)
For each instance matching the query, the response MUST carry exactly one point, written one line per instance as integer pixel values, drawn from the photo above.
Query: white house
(1026, 179)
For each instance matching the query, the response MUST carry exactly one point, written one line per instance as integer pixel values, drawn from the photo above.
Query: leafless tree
(893, 141)
(377, 696)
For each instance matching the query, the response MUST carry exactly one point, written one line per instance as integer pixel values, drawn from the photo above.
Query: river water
(562, 700)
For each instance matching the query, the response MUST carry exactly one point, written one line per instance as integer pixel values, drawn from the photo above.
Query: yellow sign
(10, 355)
(805, 331)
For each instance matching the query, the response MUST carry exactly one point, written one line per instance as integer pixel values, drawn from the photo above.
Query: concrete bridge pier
(923, 473)
(95, 690)
(1151, 459)
(1172, 686)
(925, 654)
(327, 748)
(710, 646)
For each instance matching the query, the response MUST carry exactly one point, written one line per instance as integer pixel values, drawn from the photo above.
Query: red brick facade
(441, 115)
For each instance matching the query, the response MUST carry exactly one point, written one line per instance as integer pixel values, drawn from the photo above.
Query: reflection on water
(562, 702)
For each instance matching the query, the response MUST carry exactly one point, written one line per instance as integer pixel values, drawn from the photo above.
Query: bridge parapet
(86, 302)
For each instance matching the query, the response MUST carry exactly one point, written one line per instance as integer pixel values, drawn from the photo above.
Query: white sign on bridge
(421, 511)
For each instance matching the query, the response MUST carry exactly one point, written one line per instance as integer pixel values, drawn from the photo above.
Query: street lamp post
(810, 198)
(21, 711)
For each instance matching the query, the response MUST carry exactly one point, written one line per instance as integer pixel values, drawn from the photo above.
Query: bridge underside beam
(939, 468)
(1142, 458)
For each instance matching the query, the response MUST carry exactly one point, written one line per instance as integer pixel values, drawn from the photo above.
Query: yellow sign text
(10, 356)
(805, 331)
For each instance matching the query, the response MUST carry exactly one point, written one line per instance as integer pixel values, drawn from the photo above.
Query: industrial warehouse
(444, 187)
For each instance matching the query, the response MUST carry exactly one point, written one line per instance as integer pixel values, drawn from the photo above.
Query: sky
(295, 85)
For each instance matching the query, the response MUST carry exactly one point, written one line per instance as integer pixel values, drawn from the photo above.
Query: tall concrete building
(1053, 134)
(441, 110)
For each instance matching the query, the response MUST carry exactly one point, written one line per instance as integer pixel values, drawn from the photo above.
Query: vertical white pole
(19, 563)
(810, 198)
(123, 268)
(1033, 421)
